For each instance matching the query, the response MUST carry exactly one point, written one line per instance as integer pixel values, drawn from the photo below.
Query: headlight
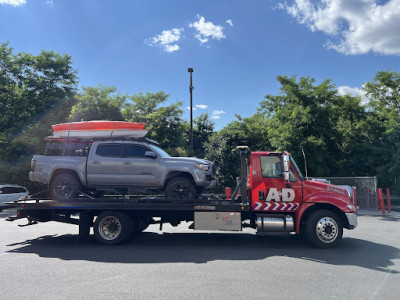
(351, 207)
(203, 167)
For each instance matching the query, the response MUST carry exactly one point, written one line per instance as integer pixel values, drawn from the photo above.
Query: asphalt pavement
(45, 261)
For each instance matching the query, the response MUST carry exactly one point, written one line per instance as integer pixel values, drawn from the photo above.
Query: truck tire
(112, 227)
(324, 229)
(180, 188)
(65, 186)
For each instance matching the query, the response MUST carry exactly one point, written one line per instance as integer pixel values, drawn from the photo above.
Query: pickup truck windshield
(161, 152)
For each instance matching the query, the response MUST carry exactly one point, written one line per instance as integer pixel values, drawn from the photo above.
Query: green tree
(383, 92)
(203, 128)
(315, 119)
(35, 92)
(221, 146)
(165, 123)
(98, 103)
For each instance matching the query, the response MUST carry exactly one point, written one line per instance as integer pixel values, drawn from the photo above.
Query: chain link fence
(366, 188)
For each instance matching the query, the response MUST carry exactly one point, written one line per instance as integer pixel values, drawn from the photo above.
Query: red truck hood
(315, 191)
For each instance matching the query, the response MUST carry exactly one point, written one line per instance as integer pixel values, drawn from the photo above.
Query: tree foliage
(98, 103)
(339, 134)
(35, 92)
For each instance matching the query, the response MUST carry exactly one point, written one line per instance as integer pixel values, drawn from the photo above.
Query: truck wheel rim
(64, 189)
(109, 228)
(181, 191)
(327, 229)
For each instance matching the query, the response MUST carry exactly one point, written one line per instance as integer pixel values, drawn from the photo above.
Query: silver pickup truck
(71, 167)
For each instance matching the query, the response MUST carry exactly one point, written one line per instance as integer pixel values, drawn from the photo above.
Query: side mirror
(286, 176)
(286, 163)
(150, 154)
(286, 167)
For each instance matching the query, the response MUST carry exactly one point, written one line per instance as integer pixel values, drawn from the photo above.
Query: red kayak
(90, 129)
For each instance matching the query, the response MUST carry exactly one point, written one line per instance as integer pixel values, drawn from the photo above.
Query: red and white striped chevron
(275, 206)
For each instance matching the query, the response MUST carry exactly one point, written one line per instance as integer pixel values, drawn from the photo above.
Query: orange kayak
(98, 125)
(99, 129)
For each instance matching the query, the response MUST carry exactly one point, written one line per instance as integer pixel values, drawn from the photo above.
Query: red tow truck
(272, 196)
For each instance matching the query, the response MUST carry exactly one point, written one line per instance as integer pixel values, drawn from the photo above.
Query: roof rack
(95, 139)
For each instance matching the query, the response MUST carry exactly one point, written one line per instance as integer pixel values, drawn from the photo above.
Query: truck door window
(109, 150)
(271, 166)
(135, 151)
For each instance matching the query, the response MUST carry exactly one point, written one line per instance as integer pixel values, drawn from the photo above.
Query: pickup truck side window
(135, 151)
(65, 149)
(271, 166)
(109, 150)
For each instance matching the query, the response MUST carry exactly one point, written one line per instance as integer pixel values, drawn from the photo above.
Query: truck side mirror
(286, 176)
(286, 163)
(286, 167)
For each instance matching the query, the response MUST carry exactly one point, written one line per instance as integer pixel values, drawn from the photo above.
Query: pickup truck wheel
(65, 186)
(324, 229)
(112, 227)
(180, 188)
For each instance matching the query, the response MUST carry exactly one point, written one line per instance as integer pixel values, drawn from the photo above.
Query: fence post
(382, 203)
(365, 198)
(388, 201)
(378, 199)
(371, 205)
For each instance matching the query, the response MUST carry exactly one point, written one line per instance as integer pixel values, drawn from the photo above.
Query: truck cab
(282, 198)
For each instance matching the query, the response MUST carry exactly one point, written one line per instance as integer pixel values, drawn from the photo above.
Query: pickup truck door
(140, 170)
(105, 164)
(270, 192)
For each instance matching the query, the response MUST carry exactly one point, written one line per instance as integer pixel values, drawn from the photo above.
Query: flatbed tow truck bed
(134, 203)
(136, 212)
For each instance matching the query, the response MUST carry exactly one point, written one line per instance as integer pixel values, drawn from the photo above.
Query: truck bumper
(204, 179)
(352, 219)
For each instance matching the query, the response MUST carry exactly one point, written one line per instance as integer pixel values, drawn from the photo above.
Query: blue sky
(236, 48)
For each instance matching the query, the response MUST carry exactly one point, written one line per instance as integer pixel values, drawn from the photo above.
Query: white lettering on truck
(287, 195)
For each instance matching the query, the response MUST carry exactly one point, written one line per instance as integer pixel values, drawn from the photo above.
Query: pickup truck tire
(324, 229)
(180, 188)
(112, 227)
(65, 186)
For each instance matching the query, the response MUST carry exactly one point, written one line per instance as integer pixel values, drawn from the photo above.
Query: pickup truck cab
(70, 167)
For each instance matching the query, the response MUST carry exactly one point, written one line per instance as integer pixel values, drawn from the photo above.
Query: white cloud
(355, 26)
(194, 108)
(353, 91)
(218, 112)
(167, 40)
(201, 106)
(229, 22)
(13, 2)
(206, 30)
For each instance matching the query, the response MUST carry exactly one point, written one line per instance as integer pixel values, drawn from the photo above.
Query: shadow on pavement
(150, 247)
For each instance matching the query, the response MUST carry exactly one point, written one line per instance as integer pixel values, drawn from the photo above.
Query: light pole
(190, 70)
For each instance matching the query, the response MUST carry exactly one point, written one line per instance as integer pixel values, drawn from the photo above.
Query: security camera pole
(190, 70)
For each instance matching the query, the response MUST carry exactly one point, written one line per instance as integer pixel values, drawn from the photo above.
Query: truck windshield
(296, 168)
(160, 151)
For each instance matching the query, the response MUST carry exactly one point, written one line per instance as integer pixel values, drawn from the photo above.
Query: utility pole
(190, 70)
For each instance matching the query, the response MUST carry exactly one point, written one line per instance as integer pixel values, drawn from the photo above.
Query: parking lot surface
(45, 261)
